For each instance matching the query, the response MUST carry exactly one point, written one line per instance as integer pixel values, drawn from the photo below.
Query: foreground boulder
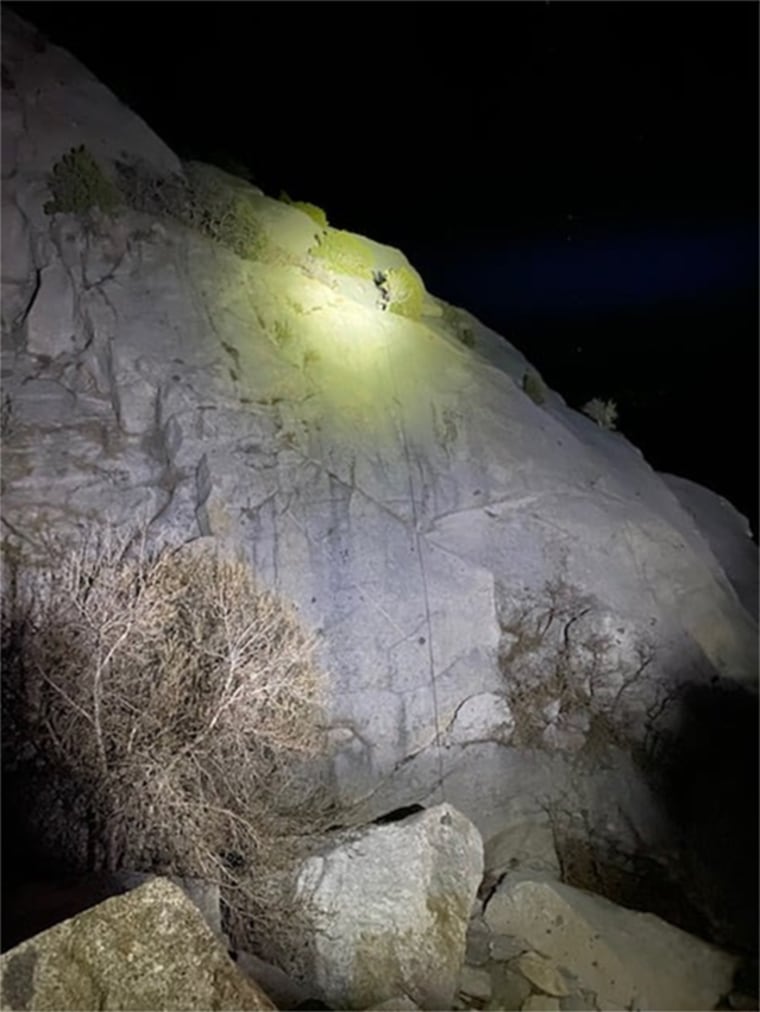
(148, 949)
(564, 941)
(32, 906)
(387, 911)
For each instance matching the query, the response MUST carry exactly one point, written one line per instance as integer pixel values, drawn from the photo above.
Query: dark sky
(581, 176)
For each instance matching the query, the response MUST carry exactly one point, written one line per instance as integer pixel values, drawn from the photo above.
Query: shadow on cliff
(708, 783)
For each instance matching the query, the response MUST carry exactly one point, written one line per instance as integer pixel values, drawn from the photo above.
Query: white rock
(540, 1003)
(52, 326)
(475, 983)
(628, 959)
(543, 973)
(523, 844)
(387, 911)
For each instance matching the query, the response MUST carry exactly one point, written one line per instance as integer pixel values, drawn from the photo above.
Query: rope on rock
(399, 416)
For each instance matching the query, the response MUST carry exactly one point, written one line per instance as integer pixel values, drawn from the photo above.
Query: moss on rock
(78, 184)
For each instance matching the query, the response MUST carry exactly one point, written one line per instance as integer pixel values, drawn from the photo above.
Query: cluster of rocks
(402, 916)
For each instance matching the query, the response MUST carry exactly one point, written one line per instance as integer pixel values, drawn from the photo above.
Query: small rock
(528, 844)
(510, 989)
(284, 991)
(540, 1003)
(543, 973)
(401, 1003)
(475, 983)
(478, 938)
(506, 947)
(578, 1002)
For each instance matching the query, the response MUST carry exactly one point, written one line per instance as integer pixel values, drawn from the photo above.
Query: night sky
(583, 177)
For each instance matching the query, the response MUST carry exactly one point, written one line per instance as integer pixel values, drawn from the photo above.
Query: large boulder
(33, 906)
(575, 941)
(147, 949)
(503, 589)
(385, 912)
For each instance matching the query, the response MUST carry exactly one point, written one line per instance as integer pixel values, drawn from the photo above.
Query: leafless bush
(185, 704)
(567, 675)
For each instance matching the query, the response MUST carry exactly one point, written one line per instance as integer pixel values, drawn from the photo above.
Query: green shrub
(237, 226)
(205, 201)
(406, 292)
(144, 191)
(534, 387)
(345, 252)
(314, 212)
(457, 323)
(604, 413)
(78, 184)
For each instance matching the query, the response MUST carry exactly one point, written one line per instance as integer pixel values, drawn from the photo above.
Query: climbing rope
(399, 418)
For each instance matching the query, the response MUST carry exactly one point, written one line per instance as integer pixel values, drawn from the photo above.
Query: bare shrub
(183, 702)
(566, 676)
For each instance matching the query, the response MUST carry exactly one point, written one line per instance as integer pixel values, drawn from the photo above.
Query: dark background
(583, 177)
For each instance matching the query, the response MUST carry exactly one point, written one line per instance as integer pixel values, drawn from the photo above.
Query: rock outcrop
(148, 949)
(511, 601)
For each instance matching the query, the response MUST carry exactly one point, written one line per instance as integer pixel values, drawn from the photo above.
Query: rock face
(503, 589)
(148, 949)
(387, 911)
(573, 942)
(726, 531)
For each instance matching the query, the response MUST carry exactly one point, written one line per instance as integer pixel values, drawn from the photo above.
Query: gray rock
(726, 531)
(522, 845)
(386, 912)
(204, 895)
(627, 959)
(504, 947)
(279, 986)
(478, 941)
(475, 983)
(401, 1003)
(540, 1003)
(148, 949)
(510, 989)
(542, 973)
(578, 1002)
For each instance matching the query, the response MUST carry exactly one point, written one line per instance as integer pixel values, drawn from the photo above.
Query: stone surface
(401, 1003)
(578, 1003)
(31, 906)
(282, 989)
(475, 983)
(540, 1003)
(523, 845)
(726, 531)
(478, 942)
(542, 973)
(148, 949)
(510, 989)
(628, 959)
(504, 948)
(386, 911)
